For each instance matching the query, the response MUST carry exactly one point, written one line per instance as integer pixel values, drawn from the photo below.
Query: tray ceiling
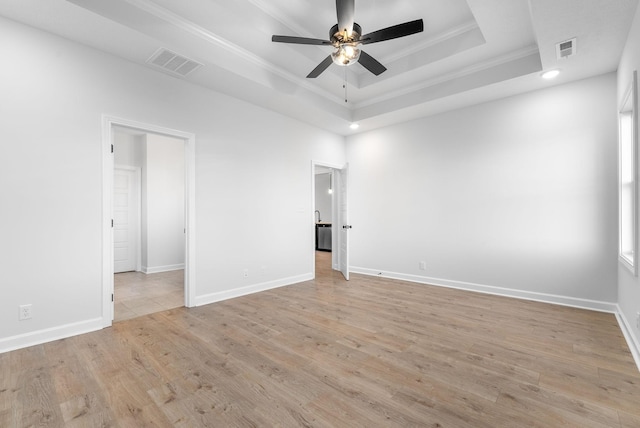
(471, 50)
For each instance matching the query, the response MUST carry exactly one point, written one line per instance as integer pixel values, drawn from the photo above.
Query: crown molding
(463, 72)
(274, 13)
(433, 41)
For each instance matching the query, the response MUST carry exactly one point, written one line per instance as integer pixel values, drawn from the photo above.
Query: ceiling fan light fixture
(345, 55)
(346, 37)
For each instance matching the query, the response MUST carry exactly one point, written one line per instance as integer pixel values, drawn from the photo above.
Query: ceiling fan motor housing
(338, 37)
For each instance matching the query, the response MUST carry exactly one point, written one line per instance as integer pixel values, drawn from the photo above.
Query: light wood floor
(329, 353)
(138, 294)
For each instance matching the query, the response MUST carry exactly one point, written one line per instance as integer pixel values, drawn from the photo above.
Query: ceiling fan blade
(320, 68)
(345, 10)
(299, 40)
(371, 64)
(394, 32)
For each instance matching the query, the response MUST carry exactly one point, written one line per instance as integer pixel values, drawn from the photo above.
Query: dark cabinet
(323, 236)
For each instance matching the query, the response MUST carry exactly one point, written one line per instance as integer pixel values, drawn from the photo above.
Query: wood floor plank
(629, 421)
(36, 403)
(6, 389)
(557, 406)
(365, 353)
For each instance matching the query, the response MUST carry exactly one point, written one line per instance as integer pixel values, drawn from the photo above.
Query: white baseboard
(158, 269)
(593, 305)
(49, 334)
(250, 289)
(632, 341)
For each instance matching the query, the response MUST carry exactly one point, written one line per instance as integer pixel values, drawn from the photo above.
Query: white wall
(628, 285)
(323, 197)
(518, 194)
(54, 94)
(164, 204)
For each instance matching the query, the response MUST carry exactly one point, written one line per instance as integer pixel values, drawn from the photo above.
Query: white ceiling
(471, 50)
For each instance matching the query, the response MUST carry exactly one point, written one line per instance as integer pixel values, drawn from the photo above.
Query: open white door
(343, 221)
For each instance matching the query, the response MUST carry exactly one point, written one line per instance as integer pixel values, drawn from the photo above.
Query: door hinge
(112, 148)
(112, 297)
(111, 222)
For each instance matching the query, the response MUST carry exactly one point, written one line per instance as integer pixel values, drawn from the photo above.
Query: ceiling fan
(346, 37)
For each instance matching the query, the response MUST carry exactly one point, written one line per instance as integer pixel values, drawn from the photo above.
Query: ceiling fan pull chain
(344, 85)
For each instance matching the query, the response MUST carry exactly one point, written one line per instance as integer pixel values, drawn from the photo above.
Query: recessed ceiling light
(551, 74)
(354, 126)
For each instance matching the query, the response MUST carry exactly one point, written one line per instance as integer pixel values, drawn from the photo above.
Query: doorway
(148, 222)
(323, 217)
(329, 203)
(154, 233)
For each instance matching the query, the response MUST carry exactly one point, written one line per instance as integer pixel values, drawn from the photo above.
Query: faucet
(319, 220)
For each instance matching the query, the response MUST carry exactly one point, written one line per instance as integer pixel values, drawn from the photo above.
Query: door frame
(137, 173)
(108, 123)
(335, 236)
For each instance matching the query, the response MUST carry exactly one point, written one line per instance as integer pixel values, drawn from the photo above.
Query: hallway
(138, 294)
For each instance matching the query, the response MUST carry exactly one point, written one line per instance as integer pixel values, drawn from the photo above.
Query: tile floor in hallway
(137, 293)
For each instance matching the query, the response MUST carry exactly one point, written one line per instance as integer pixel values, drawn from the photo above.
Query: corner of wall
(627, 331)
(629, 285)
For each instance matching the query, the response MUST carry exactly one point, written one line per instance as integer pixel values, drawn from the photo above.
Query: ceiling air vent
(566, 49)
(173, 63)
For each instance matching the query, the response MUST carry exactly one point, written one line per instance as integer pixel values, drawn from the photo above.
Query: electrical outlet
(422, 265)
(25, 312)
(245, 273)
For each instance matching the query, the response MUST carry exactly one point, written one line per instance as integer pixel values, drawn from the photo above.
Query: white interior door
(343, 221)
(125, 220)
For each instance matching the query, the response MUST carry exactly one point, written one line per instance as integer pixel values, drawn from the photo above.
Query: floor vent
(173, 63)
(566, 49)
